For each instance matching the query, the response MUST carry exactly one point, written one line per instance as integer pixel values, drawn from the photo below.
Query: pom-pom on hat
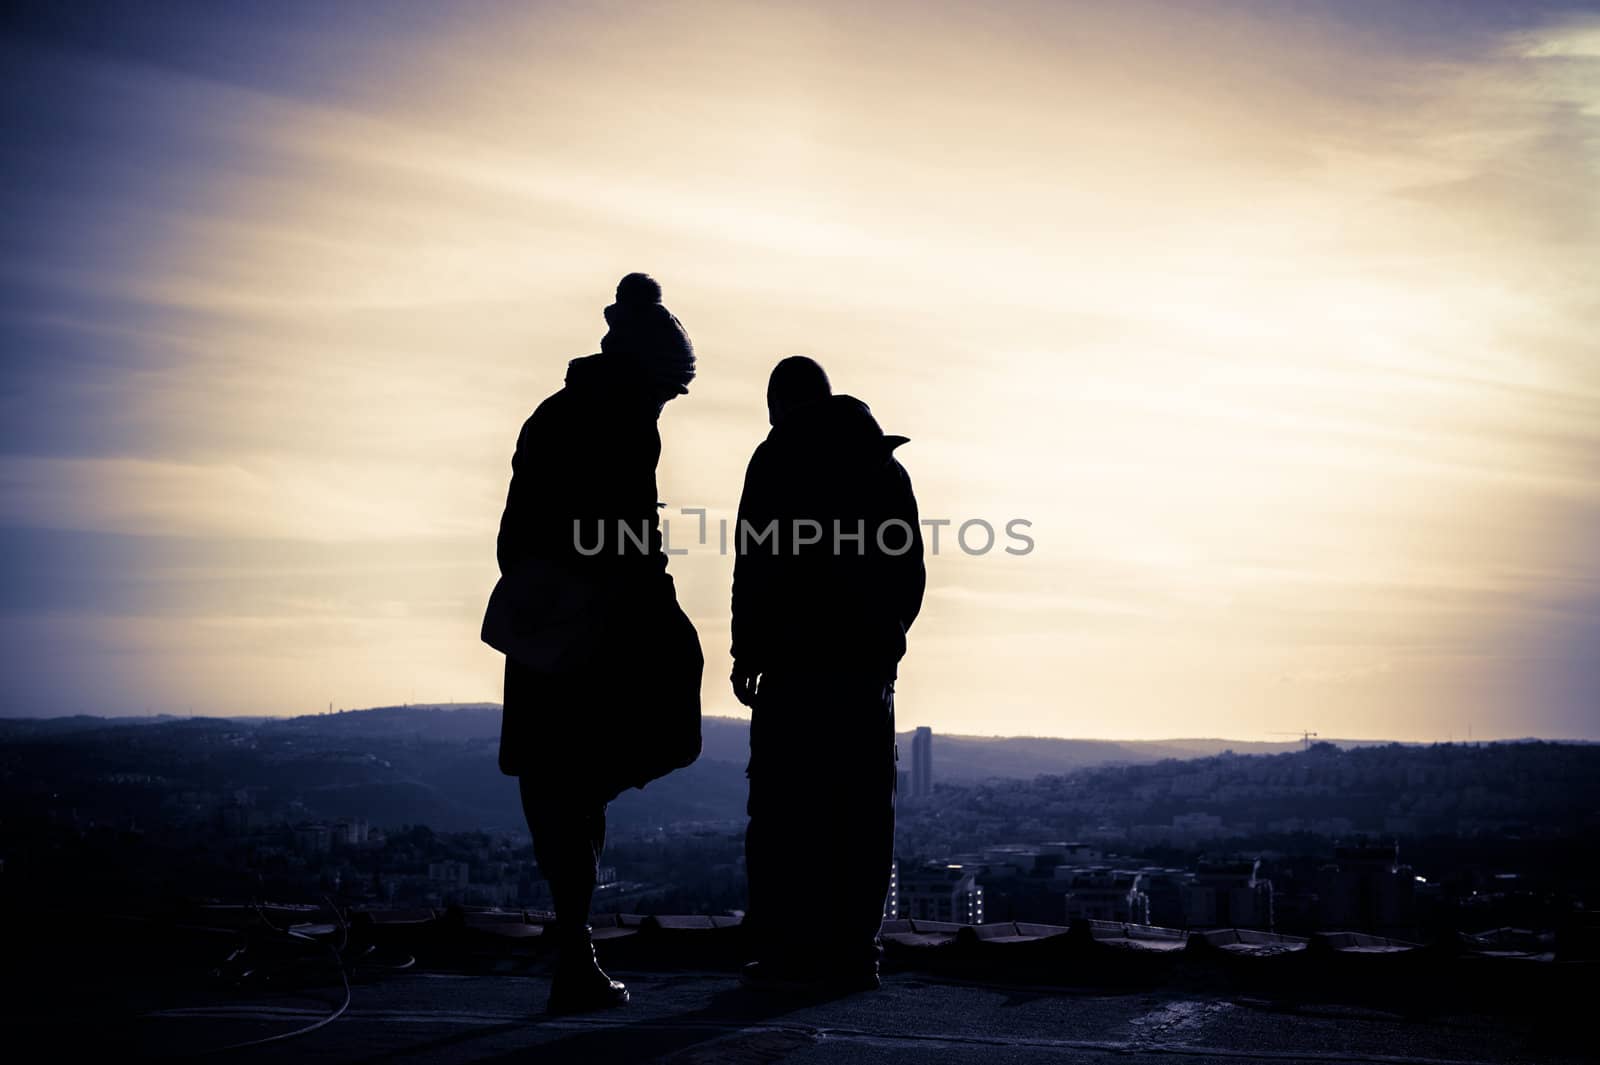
(642, 328)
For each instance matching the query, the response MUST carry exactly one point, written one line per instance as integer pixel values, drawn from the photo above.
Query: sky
(1276, 321)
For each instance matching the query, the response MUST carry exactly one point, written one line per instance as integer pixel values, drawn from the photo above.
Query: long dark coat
(626, 709)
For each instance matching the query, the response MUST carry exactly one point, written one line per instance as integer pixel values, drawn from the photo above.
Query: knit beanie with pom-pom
(642, 328)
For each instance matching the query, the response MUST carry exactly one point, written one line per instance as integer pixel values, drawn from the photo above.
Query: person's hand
(746, 681)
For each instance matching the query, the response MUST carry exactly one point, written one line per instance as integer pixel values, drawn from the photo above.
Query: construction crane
(1305, 737)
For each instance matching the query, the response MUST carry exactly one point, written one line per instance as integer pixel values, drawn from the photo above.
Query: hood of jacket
(840, 428)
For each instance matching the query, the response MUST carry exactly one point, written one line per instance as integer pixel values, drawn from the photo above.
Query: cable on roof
(344, 976)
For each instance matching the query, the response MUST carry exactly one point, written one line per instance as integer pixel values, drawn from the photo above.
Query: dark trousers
(821, 833)
(569, 832)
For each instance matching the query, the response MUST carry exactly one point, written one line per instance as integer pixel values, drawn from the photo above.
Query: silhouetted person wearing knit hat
(828, 579)
(602, 682)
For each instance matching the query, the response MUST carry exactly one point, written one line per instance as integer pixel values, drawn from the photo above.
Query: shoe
(579, 984)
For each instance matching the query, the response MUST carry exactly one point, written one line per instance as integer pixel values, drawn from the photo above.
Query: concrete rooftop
(470, 987)
(692, 1017)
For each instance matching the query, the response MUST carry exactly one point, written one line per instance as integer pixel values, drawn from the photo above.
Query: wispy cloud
(1276, 320)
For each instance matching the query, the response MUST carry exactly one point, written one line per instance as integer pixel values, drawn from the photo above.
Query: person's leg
(863, 823)
(758, 871)
(568, 834)
(564, 845)
(822, 796)
(781, 838)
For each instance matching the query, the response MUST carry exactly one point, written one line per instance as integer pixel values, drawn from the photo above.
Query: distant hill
(726, 739)
(969, 758)
(30, 727)
(437, 765)
(455, 722)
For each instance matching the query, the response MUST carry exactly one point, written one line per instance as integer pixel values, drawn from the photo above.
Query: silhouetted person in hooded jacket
(602, 682)
(828, 579)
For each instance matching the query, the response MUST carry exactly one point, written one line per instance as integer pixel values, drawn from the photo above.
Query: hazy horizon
(1276, 320)
(901, 727)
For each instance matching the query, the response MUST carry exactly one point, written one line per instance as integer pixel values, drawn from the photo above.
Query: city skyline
(1274, 320)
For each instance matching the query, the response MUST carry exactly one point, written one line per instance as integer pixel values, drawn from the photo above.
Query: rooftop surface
(470, 987)
(707, 1017)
